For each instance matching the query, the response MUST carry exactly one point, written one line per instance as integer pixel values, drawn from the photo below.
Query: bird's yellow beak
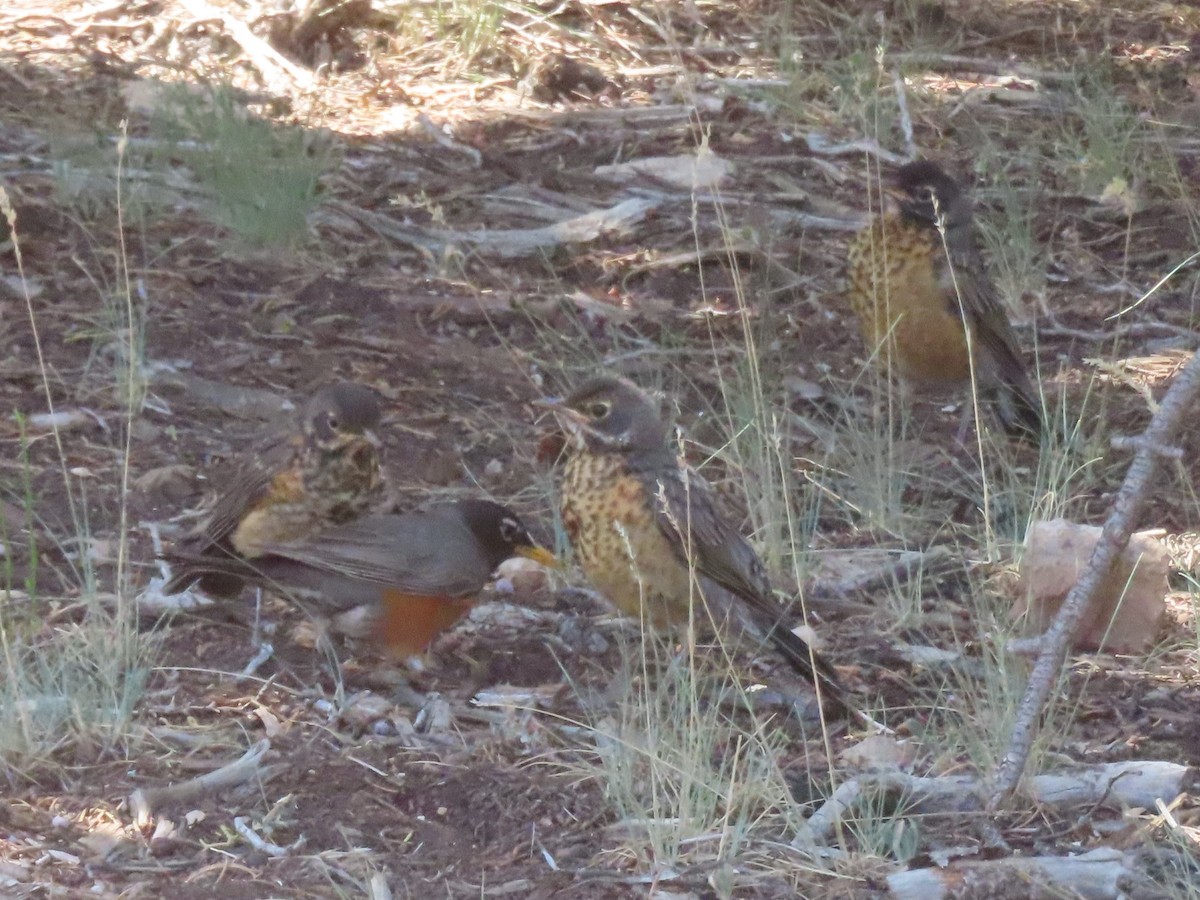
(539, 555)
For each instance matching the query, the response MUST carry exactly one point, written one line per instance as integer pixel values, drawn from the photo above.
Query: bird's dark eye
(333, 421)
(599, 409)
(509, 530)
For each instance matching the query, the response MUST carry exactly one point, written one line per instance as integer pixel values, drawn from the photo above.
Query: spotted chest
(608, 513)
(903, 294)
(323, 489)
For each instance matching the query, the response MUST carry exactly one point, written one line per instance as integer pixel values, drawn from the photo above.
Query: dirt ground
(431, 270)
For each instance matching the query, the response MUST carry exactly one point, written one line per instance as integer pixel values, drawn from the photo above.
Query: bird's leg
(255, 629)
(405, 694)
(434, 714)
(964, 424)
(264, 650)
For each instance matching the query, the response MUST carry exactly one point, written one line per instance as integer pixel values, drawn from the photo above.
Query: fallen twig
(444, 141)
(280, 75)
(265, 651)
(1100, 874)
(1137, 329)
(948, 62)
(1115, 785)
(511, 243)
(144, 801)
(251, 837)
(937, 560)
(818, 143)
(906, 125)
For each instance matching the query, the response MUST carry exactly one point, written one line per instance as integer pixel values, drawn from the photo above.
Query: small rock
(876, 752)
(365, 708)
(1125, 613)
(169, 482)
(525, 575)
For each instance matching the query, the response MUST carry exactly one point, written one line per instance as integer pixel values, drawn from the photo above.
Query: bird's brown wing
(687, 513)
(991, 328)
(243, 489)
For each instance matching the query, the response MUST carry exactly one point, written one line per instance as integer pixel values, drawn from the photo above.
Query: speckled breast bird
(649, 535)
(398, 579)
(323, 472)
(918, 284)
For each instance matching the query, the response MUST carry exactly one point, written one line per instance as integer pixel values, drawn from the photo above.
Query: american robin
(648, 533)
(324, 472)
(415, 575)
(919, 286)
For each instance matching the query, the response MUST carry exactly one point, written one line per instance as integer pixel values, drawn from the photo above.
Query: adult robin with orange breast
(414, 575)
(926, 305)
(323, 472)
(648, 533)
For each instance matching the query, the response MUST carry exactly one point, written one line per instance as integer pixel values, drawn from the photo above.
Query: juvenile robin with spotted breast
(926, 305)
(322, 472)
(649, 535)
(399, 580)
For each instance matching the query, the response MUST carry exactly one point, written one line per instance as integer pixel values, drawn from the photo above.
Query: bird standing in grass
(648, 533)
(399, 580)
(926, 305)
(322, 472)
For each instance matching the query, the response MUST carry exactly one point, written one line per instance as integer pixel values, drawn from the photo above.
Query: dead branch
(234, 400)
(443, 140)
(261, 844)
(1188, 337)
(949, 62)
(280, 75)
(322, 19)
(510, 243)
(144, 801)
(1118, 785)
(819, 143)
(732, 202)
(1117, 531)
(1100, 874)
(937, 560)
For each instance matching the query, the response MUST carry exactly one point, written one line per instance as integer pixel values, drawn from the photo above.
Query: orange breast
(408, 623)
(906, 308)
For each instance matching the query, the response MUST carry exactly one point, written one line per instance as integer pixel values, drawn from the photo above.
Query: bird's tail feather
(813, 666)
(1021, 412)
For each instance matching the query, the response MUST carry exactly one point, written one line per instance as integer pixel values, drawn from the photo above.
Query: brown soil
(459, 340)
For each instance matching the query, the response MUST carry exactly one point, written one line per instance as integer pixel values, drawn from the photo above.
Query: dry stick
(280, 74)
(1120, 785)
(1114, 537)
(906, 125)
(143, 801)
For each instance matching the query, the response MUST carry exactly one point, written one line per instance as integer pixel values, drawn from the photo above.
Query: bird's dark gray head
(339, 410)
(927, 194)
(607, 413)
(500, 532)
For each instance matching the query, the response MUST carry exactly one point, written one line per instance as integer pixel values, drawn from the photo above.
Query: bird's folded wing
(241, 491)
(418, 553)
